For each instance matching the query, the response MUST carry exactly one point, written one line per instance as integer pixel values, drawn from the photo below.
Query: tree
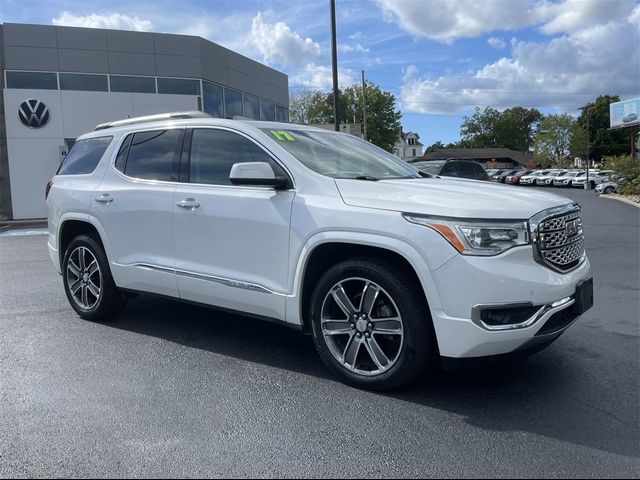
(383, 120)
(513, 128)
(307, 107)
(435, 146)
(553, 140)
(603, 141)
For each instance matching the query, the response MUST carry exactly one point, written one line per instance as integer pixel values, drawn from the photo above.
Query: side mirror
(257, 174)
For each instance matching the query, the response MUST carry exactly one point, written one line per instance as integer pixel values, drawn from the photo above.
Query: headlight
(476, 237)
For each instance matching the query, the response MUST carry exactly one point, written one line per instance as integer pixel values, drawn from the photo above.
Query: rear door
(134, 204)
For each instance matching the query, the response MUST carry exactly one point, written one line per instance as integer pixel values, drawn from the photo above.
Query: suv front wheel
(371, 325)
(88, 283)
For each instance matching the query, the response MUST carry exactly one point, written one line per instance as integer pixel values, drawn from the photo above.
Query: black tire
(535, 183)
(593, 185)
(608, 190)
(418, 344)
(110, 300)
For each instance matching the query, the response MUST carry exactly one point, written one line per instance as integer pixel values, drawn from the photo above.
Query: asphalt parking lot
(176, 390)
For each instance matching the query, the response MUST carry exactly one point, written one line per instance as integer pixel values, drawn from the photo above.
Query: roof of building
(402, 138)
(479, 154)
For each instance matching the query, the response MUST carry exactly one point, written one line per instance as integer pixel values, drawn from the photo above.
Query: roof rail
(152, 118)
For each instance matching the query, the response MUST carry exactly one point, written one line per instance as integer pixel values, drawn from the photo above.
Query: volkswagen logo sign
(33, 113)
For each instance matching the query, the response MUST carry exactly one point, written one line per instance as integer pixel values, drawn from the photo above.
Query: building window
(267, 110)
(32, 80)
(178, 86)
(132, 84)
(213, 99)
(91, 83)
(232, 103)
(251, 107)
(282, 114)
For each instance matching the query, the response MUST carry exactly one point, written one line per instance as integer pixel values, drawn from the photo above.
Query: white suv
(386, 267)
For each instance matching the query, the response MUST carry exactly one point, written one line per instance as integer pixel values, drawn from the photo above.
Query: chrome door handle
(189, 203)
(104, 198)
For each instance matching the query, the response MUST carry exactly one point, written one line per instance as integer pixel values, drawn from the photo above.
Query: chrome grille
(560, 241)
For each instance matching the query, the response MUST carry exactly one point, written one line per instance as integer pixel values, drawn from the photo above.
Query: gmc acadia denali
(388, 268)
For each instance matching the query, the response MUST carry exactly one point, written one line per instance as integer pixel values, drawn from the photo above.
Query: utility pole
(587, 185)
(364, 108)
(334, 65)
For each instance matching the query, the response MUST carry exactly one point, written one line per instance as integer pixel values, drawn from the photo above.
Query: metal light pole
(364, 108)
(587, 185)
(334, 66)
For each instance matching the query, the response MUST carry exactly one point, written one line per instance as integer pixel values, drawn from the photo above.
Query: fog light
(507, 316)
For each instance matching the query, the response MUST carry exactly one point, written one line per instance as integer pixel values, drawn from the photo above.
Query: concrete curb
(620, 199)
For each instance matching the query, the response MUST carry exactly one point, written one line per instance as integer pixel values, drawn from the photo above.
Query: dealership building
(60, 82)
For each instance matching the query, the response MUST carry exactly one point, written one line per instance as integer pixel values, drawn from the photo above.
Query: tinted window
(232, 103)
(154, 155)
(267, 110)
(213, 99)
(282, 114)
(35, 80)
(429, 166)
(479, 171)
(84, 156)
(178, 86)
(251, 107)
(91, 83)
(458, 169)
(213, 153)
(121, 159)
(133, 84)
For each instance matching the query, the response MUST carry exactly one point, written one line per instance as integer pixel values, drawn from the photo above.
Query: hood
(448, 197)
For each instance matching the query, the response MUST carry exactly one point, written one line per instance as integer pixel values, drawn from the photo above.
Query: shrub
(628, 168)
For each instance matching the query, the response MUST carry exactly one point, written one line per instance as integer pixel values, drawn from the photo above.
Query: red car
(515, 178)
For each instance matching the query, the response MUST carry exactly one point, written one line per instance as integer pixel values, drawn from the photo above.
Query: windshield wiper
(366, 177)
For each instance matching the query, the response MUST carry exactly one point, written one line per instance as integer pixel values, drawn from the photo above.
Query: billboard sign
(625, 114)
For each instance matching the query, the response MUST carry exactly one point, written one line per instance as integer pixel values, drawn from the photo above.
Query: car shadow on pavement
(537, 395)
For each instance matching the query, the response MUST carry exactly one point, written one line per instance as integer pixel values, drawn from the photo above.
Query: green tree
(436, 146)
(489, 128)
(308, 107)
(552, 142)
(603, 141)
(383, 120)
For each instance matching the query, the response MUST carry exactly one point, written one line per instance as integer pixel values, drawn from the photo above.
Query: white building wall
(34, 154)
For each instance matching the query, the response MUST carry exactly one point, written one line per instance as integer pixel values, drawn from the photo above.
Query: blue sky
(440, 58)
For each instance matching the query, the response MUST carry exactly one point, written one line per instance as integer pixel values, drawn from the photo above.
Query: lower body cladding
(493, 306)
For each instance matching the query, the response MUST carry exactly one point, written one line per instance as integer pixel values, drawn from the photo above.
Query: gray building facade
(87, 76)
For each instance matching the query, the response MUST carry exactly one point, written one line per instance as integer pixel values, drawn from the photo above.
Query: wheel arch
(320, 254)
(71, 226)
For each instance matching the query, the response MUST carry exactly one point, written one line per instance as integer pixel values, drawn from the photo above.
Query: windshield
(341, 156)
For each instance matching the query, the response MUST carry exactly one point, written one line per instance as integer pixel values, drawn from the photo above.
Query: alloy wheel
(84, 278)
(362, 326)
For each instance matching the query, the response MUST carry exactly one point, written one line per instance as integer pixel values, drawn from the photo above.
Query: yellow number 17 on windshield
(283, 136)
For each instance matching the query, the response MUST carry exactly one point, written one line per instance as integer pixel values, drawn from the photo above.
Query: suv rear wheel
(88, 283)
(371, 324)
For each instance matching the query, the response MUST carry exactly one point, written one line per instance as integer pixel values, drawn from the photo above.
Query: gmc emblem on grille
(573, 227)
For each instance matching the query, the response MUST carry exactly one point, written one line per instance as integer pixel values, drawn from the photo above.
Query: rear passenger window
(480, 172)
(152, 155)
(84, 156)
(458, 169)
(213, 153)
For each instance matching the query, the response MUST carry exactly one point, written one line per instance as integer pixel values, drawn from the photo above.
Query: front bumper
(467, 284)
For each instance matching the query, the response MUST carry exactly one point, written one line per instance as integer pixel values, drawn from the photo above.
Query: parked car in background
(567, 178)
(514, 179)
(469, 169)
(596, 177)
(496, 173)
(611, 186)
(503, 176)
(532, 178)
(547, 180)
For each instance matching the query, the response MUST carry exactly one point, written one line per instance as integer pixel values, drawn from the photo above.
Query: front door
(232, 242)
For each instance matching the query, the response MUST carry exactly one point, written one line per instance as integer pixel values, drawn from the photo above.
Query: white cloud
(278, 44)
(497, 42)
(353, 48)
(320, 77)
(103, 20)
(564, 72)
(448, 20)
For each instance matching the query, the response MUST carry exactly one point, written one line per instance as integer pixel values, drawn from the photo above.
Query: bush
(628, 168)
